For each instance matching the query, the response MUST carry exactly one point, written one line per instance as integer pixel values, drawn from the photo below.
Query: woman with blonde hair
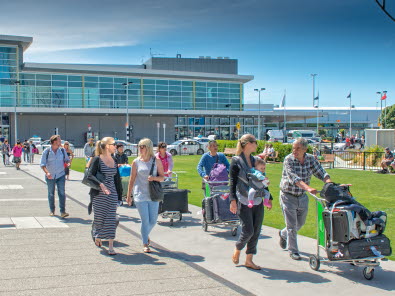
(251, 217)
(139, 179)
(105, 200)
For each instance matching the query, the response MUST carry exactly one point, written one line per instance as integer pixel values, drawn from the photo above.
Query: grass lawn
(371, 189)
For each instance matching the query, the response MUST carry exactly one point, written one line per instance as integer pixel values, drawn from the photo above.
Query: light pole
(315, 106)
(126, 84)
(164, 132)
(16, 83)
(158, 126)
(259, 110)
(381, 93)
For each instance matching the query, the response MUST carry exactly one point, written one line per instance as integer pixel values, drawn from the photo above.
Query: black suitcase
(222, 211)
(175, 200)
(361, 248)
(207, 208)
(340, 225)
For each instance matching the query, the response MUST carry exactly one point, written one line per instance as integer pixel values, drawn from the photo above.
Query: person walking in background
(139, 179)
(6, 150)
(89, 149)
(26, 151)
(70, 154)
(32, 151)
(209, 159)
(251, 217)
(17, 153)
(120, 156)
(166, 158)
(53, 161)
(362, 142)
(105, 200)
(298, 168)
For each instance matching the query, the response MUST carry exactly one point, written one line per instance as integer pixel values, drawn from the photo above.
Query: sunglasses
(113, 144)
(253, 142)
(142, 146)
(162, 146)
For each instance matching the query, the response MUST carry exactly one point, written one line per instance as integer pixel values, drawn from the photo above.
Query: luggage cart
(213, 188)
(325, 241)
(171, 182)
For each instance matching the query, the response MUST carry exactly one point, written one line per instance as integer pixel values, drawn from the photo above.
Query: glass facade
(50, 90)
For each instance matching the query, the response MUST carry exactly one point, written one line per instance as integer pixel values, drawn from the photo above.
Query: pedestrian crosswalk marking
(23, 199)
(3, 173)
(5, 187)
(31, 222)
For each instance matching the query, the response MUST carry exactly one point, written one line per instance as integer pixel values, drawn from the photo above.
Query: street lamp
(315, 106)
(16, 83)
(126, 84)
(259, 110)
(381, 93)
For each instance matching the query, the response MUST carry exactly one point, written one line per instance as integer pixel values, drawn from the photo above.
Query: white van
(307, 134)
(276, 136)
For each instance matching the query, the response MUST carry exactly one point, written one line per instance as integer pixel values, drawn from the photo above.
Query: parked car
(186, 147)
(35, 140)
(203, 141)
(128, 148)
(45, 144)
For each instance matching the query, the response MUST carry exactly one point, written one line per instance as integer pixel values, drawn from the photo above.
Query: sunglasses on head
(253, 142)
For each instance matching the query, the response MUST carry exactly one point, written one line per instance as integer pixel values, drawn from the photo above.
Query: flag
(349, 96)
(317, 98)
(283, 102)
(384, 96)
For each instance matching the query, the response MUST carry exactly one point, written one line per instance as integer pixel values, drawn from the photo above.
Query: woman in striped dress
(139, 179)
(105, 200)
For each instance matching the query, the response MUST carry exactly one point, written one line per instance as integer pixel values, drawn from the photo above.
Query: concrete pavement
(187, 260)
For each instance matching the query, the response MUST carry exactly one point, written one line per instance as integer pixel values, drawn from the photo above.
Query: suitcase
(207, 208)
(174, 200)
(341, 224)
(221, 209)
(361, 248)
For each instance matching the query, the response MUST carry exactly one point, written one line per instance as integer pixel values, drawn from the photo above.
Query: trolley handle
(215, 182)
(316, 197)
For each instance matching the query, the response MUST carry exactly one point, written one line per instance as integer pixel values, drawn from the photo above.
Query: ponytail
(101, 145)
(244, 140)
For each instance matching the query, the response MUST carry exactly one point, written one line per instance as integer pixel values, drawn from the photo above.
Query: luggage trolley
(213, 190)
(325, 242)
(175, 202)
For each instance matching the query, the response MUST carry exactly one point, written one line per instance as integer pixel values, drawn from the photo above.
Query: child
(258, 175)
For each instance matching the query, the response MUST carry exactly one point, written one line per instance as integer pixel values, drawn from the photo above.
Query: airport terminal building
(163, 99)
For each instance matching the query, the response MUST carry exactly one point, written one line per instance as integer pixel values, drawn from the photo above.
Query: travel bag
(207, 209)
(221, 208)
(363, 248)
(174, 200)
(341, 225)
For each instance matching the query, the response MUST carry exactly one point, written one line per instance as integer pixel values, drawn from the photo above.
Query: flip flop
(253, 267)
(146, 250)
(98, 242)
(111, 252)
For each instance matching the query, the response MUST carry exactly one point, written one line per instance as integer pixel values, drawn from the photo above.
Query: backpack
(333, 192)
(61, 149)
(218, 172)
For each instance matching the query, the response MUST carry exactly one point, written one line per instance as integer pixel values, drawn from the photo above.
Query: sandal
(147, 250)
(98, 242)
(111, 252)
(253, 266)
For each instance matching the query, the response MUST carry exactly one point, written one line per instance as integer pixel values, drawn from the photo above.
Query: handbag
(155, 187)
(86, 181)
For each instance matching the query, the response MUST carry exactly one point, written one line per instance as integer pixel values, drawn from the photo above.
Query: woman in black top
(251, 218)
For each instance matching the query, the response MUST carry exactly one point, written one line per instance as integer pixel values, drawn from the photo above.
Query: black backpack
(333, 192)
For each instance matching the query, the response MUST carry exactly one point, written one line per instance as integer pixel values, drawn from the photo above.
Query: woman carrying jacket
(106, 199)
(251, 218)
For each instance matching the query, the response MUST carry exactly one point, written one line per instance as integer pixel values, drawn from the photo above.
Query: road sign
(238, 125)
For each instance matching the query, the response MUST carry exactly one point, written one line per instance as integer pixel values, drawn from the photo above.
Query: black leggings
(251, 224)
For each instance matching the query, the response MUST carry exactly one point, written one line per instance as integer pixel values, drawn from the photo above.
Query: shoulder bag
(88, 182)
(155, 188)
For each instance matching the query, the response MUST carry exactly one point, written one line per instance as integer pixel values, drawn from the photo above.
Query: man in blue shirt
(209, 159)
(53, 162)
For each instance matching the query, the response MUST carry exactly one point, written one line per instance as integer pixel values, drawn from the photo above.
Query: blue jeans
(60, 184)
(148, 211)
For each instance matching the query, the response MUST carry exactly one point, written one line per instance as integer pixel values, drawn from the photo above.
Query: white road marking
(6, 223)
(3, 173)
(25, 222)
(51, 222)
(32, 222)
(5, 187)
(23, 199)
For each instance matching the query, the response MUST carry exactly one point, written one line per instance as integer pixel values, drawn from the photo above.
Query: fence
(358, 160)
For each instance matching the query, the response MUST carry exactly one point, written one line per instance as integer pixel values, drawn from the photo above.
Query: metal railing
(361, 160)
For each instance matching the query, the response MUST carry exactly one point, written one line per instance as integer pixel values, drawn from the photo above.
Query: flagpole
(314, 75)
(285, 116)
(350, 114)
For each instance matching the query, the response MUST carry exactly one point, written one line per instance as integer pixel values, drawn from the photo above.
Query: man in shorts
(388, 159)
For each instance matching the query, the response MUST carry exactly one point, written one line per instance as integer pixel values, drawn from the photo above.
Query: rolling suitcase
(175, 200)
(221, 209)
(341, 224)
(207, 209)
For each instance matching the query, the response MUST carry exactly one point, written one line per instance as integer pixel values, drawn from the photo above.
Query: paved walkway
(48, 259)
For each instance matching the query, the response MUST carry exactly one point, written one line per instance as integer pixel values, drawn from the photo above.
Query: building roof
(16, 40)
(132, 70)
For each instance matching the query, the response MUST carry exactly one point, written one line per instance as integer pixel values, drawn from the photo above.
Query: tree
(387, 117)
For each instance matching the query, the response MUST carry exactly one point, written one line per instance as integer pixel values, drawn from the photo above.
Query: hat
(387, 148)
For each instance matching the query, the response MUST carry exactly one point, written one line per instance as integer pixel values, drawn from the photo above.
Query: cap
(387, 148)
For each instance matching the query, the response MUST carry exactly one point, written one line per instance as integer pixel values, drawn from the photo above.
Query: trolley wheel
(234, 231)
(314, 262)
(179, 219)
(171, 222)
(204, 225)
(368, 273)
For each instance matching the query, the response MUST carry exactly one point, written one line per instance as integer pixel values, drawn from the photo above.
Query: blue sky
(349, 44)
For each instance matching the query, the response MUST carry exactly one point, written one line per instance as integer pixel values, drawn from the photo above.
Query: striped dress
(105, 206)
